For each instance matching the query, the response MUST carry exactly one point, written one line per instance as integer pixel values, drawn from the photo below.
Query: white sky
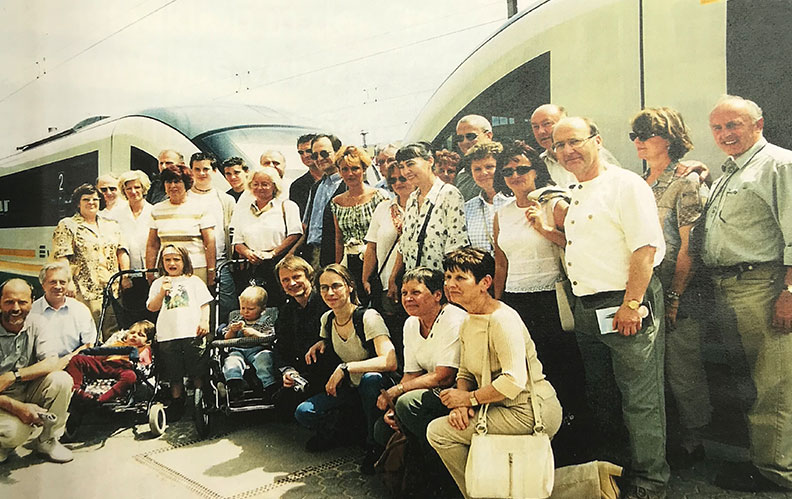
(349, 65)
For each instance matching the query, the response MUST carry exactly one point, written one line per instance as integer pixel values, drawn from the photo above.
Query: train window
(143, 161)
(758, 60)
(508, 103)
(41, 196)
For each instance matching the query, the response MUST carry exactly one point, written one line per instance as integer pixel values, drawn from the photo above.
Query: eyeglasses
(393, 180)
(111, 189)
(573, 143)
(469, 136)
(324, 154)
(336, 287)
(642, 136)
(508, 171)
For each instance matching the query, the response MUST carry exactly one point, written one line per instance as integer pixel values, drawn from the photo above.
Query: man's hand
(288, 381)
(29, 413)
(6, 379)
(782, 317)
(671, 309)
(459, 417)
(453, 397)
(126, 282)
(335, 379)
(627, 321)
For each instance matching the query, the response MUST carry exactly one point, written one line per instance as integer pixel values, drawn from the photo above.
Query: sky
(347, 65)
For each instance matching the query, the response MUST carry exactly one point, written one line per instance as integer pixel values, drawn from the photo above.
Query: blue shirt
(479, 216)
(60, 332)
(314, 219)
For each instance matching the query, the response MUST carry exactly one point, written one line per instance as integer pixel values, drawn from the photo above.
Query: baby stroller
(214, 398)
(144, 398)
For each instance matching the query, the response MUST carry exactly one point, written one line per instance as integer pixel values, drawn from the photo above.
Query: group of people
(411, 294)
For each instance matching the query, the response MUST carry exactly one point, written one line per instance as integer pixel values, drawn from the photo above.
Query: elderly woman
(91, 245)
(359, 338)
(182, 220)
(434, 217)
(446, 165)
(107, 185)
(481, 162)
(135, 217)
(353, 209)
(494, 327)
(661, 138)
(264, 228)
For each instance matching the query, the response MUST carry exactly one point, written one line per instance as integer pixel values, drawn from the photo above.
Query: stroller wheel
(202, 414)
(156, 418)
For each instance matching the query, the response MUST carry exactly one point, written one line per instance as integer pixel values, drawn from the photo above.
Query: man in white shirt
(220, 207)
(614, 240)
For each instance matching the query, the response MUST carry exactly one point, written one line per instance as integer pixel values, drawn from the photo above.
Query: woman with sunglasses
(360, 340)
(528, 233)
(353, 209)
(382, 240)
(434, 216)
(661, 138)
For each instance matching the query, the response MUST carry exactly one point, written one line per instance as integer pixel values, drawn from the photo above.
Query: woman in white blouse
(264, 229)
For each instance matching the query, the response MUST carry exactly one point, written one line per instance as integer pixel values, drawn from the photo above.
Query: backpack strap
(357, 324)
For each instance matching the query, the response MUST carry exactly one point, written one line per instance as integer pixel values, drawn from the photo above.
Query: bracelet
(672, 295)
(401, 388)
(210, 269)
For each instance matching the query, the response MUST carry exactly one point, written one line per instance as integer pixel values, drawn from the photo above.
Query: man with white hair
(274, 159)
(470, 130)
(748, 249)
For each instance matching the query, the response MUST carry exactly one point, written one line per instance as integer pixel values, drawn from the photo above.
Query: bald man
(470, 130)
(274, 159)
(28, 389)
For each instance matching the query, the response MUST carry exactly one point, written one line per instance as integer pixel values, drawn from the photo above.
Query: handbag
(505, 466)
(563, 289)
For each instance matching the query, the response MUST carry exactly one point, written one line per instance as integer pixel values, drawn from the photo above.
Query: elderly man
(470, 130)
(748, 249)
(301, 187)
(614, 240)
(274, 159)
(166, 157)
(30, 391)
(61, 325)
(318, 241)
(383, 158)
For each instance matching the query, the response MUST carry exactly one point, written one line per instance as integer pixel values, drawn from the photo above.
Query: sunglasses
(393, 180)
(111, 189)
(324, 154)
(469, 136)
(521, 170)
(304, 152)
(642, 136)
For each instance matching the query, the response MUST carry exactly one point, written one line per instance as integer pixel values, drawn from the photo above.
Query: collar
(331, 178)
(255, 209)
(748, 155)
(196, 190)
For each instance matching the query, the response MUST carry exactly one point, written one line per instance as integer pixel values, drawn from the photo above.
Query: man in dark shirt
(301, 188)
(166, 157)
(235, 172)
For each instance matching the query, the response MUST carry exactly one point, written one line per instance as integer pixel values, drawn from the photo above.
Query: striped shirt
(181, 224)
(479, 216)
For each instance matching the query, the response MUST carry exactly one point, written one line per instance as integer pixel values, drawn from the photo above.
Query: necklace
(202, 190)
(335, 319)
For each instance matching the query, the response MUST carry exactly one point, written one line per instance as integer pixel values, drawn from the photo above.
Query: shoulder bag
(501, 466)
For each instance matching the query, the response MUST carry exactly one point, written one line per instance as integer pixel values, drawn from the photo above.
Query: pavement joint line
(295, 476)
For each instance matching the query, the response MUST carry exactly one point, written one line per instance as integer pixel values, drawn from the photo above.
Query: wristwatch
(789, 288)
(633, 304)
(17, 376)
(473, 400)
(344, 368)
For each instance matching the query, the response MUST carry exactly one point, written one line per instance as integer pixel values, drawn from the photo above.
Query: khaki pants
(746, 303)
(453, 445)
(53, 393)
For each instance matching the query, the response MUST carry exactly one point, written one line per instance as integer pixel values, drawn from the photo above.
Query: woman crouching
(468, 278)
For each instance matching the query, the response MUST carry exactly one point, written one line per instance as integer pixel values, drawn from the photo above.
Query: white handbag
(506, 466)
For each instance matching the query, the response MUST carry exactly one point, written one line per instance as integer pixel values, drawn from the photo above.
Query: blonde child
(182, 300)
(250, 320)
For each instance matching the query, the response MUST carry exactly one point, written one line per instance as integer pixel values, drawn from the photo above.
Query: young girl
(182, 300)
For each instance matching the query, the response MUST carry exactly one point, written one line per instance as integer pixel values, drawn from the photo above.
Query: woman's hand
(386, 396)
(534, 216)
(314, 352)
(203, 328)
(454, 397)
(390, 420)
(335, 379)
(126, 282)
(459, 418)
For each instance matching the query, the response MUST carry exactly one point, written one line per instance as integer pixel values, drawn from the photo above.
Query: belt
(740, 268)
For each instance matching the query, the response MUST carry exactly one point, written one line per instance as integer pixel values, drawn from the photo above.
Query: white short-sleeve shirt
(440, 348)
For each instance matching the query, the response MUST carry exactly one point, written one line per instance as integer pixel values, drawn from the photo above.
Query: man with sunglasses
(613, 242)
(748, 250)
(543, 119)
(317, 244)
(470, 130)
(301, 188)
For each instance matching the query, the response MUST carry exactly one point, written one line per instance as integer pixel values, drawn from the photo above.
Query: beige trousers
(51, 392)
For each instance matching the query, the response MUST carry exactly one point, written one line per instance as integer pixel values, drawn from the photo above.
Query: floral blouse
(445, 227)
(91, 251)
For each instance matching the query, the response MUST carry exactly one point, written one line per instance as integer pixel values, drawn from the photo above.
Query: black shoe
(680, 458)
(639, 492)
(236, 388)
(373, 454)
(271, 393)
(175, 410)
(320, 443)
(745, 477)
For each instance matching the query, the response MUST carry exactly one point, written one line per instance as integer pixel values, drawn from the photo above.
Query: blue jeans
(320, 412)
(261, 360)
(227, 296)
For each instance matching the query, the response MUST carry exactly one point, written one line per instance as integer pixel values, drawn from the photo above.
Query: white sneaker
(53, 450)
(4, 453)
